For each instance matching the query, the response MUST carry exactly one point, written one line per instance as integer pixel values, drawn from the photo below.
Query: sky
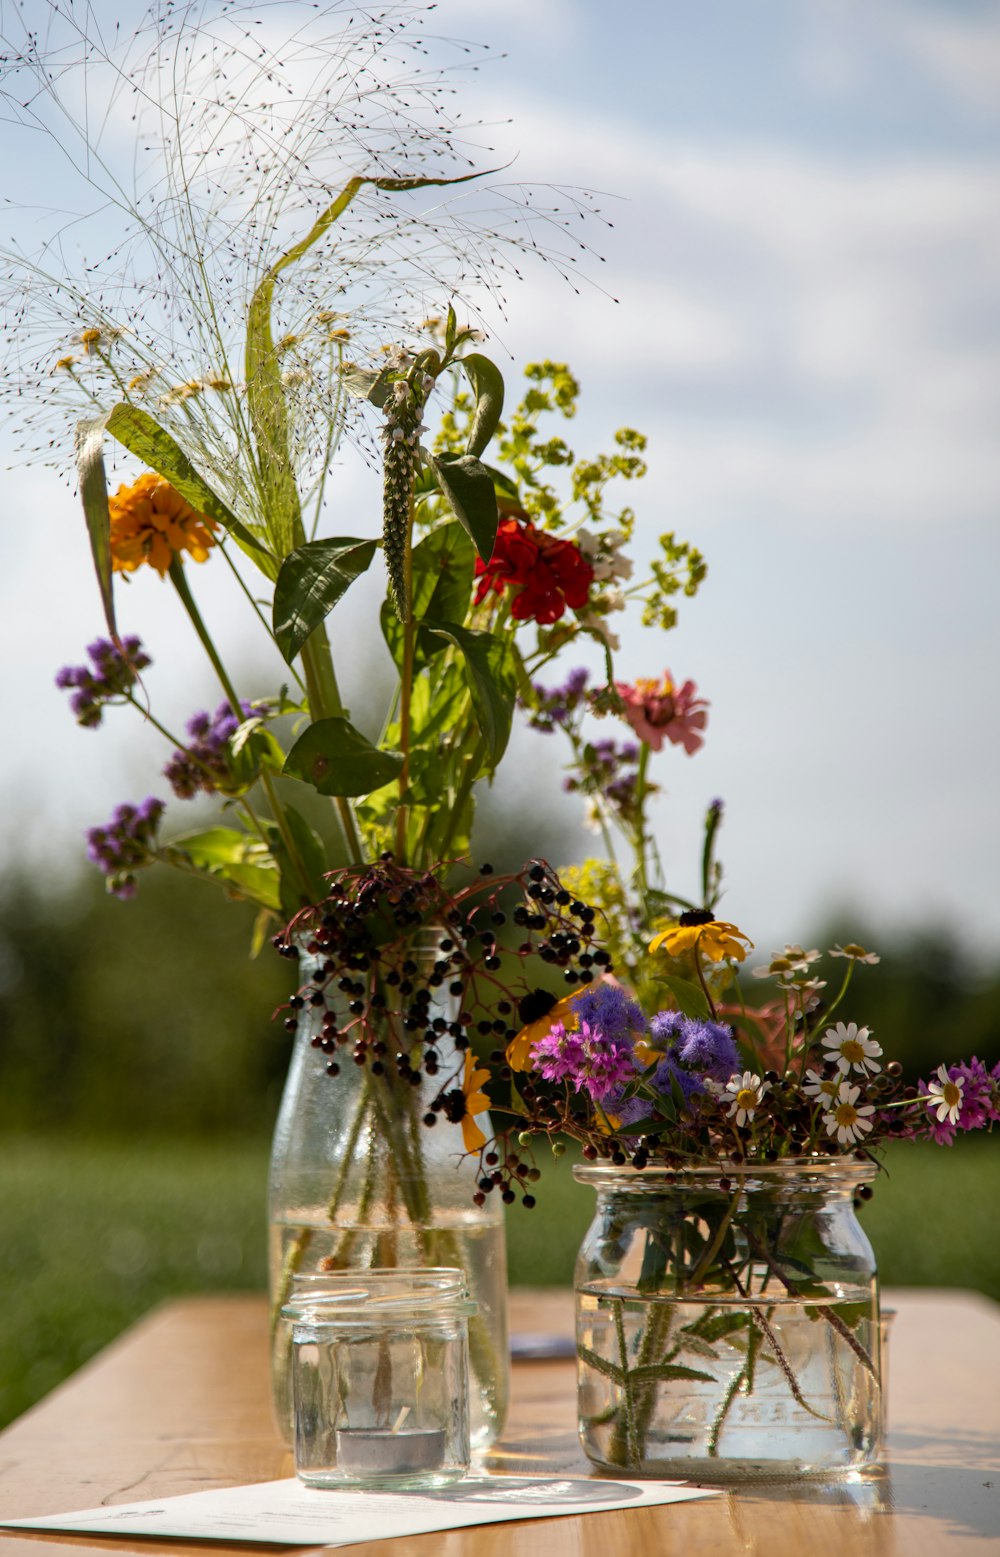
(798, 304)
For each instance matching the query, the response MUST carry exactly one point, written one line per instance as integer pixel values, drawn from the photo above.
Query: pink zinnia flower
(658, 709)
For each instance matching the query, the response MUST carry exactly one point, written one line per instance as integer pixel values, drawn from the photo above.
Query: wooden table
(180, 1404)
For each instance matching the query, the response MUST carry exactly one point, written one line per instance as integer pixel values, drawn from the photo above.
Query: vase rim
(811, 1171)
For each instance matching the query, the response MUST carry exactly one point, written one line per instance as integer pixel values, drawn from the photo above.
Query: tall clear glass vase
(358, 1179)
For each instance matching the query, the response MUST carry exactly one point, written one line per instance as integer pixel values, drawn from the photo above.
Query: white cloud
(961, 51)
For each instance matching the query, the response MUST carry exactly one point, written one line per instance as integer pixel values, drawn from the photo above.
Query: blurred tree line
(120, 1018)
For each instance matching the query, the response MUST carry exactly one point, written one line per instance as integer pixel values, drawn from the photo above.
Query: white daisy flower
(846, 1120)
(855, 952)
(946, 1096)
(745, 1094)
(849, 1047)
(819, 1087)
(786, 964)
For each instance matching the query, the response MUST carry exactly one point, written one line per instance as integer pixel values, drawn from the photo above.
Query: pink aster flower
(662, 709)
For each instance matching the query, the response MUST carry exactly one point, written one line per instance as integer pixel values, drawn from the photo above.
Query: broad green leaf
(302, 877)
(468, 490)
(492, 682)
(137, 431)
(507, 495)
(338, 760)
(689, 998)
(311, 581)
(443, 573)
(487, 386)
(89, 439)
(244, 862)
(259, 883)
(219, 846)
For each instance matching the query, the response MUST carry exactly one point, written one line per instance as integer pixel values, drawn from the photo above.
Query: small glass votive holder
(380, 1378)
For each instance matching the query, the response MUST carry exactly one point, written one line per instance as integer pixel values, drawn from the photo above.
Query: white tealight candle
(379, 1451)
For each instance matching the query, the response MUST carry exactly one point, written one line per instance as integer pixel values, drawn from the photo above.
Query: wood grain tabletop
(180, 1403)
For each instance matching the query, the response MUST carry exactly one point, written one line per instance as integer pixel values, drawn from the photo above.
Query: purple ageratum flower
(608, 1009)
(669, 1071)
(708, 1048)
(108, 677)
(667, 1028)
(207, 763)
(594, 1062)
(125, 844)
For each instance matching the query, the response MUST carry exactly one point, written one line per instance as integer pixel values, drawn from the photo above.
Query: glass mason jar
(380, 1379)
(358, 1180)
(728, 1322)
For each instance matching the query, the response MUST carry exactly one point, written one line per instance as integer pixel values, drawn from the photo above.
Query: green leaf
(265, 392)
(717, 1326)
(690, 998)
(443, 572)
(656, 1372)
(312, 579)
(259, 883)
(311, 859)
(363, 384)
(136, 431)
(338, 760)
(468, 491)
(244, 862)
(600, 1364)
(492, 681)
(218, 846)
(89, 438)
(487, 386)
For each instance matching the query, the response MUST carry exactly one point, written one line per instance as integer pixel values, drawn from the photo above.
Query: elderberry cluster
(405, 975)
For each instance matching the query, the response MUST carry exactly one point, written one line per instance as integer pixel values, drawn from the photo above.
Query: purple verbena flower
(125, 844)
(108, 677)
(207, 763)
(553, 705)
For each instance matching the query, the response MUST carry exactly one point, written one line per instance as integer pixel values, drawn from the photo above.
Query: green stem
(405, 694)
(713, 1248)
(628, 1404)
(325, 702)
(641, 842)
(180, 583)
(178, 578)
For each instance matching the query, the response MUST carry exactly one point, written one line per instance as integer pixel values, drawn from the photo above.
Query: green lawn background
(93, 1234)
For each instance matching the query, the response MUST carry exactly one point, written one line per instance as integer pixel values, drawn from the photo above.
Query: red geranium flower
(547, 574)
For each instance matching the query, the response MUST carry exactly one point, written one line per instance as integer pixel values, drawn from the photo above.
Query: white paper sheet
(290, 1514)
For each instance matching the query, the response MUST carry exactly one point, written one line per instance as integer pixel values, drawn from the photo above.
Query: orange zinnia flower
(152, 523)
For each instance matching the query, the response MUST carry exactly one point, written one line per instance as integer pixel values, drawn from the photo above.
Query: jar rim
(806, 1172)
(320, 1296)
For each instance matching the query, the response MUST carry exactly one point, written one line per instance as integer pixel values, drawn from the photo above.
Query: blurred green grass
(94, 1233)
